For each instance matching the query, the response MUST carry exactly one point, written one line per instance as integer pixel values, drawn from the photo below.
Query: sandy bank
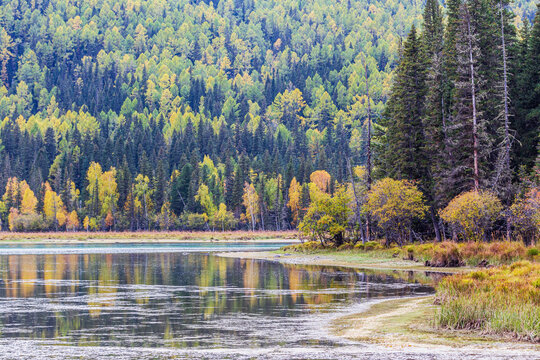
(408, 322)
(359, 260)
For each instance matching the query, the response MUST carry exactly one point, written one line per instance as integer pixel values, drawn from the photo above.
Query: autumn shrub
(394, 204)
(27, 222)
(308, 246)
(453, 254)
(196, 221)
(472, 214)
(502, 300)
(525, 216)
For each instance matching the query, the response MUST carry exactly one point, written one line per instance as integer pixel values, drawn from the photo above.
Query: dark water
(174, 304)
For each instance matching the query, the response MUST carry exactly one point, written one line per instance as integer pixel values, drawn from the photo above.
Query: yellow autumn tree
(28, 202)
(394, 204)
(53, 207)
(251, 203)
(108, 193)
(86, 223)
(205, 198)
(322, 179)
(472, 214)
(73, 221)
(295, 191)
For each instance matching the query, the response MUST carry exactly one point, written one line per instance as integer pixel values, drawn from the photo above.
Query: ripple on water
(165, 305)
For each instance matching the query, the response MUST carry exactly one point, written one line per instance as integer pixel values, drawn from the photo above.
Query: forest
(348, 119)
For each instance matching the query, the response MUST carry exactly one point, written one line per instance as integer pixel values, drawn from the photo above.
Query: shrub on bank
(503, 300)
(471, 214)
(452, 254)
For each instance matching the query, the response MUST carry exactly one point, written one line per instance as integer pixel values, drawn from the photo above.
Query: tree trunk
(506, 120)
(473, 98)
(435, 224)
(368, 160)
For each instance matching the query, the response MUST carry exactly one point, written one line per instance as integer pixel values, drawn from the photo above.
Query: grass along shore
(147, 236)
(497, 303)
(503, 300)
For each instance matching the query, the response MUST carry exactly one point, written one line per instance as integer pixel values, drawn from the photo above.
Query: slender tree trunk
(435, 224)
(473, 98)
(368, 159)
(356, 201)
(506, 120)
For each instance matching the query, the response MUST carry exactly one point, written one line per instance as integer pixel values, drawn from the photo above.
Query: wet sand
(405, 324)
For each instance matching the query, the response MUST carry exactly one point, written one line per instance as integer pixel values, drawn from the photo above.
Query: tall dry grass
(503, 300)
(450, 253)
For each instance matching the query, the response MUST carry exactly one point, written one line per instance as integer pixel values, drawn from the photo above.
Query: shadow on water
(182, 300)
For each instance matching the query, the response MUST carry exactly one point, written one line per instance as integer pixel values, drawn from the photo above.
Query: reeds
(449, 253)
(503, 300)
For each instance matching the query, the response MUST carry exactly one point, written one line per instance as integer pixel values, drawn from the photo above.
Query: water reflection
(180, 300)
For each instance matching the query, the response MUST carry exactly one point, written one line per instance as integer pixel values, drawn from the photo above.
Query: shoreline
(149, 237)
(397, 322)
(360, 261)
(405, 323)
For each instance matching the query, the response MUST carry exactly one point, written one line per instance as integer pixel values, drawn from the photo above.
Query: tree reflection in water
(174, 299)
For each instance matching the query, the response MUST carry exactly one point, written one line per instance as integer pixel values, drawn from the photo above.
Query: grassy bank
(503, 300)
(144, 236)
(444, 254)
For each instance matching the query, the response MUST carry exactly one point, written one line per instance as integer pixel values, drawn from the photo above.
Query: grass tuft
(503, 300)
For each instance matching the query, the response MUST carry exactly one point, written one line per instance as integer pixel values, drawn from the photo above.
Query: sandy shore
(408, 322)
(404, 323)
(351, 260)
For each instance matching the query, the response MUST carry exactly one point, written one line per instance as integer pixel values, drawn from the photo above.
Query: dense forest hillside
(160, 114)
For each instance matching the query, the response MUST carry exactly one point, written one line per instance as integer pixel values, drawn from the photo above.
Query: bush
(532, 252)
(327, 217)
(525, 215)
(472, 214)
(471, 253)
(28, 222)
(196, 221)
(394, 204)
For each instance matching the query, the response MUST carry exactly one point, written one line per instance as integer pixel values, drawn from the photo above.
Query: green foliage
(184, 110)
(327, 217)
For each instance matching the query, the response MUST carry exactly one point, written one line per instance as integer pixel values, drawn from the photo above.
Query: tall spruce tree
(467, 127)
(434, 120)
(403, 154)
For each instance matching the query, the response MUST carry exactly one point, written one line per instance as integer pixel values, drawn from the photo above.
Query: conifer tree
(403, 154)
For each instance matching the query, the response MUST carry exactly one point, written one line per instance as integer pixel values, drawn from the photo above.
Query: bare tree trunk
(435, 224)
(473, 98)
(356, 200)
(368, 159)
(506, 120)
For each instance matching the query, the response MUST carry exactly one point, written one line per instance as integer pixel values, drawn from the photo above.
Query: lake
(181, 300)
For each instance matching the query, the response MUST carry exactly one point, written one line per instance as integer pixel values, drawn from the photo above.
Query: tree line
(154, 115)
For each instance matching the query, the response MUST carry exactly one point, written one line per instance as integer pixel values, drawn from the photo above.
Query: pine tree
(403, 155)
(467, 133)
(434, 120)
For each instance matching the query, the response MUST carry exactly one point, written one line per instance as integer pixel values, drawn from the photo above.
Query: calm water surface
(155, 304)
